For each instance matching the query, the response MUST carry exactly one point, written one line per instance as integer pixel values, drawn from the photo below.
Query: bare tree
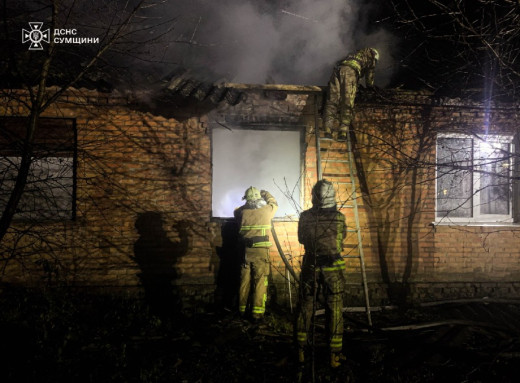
(468, 45)
(77, 45)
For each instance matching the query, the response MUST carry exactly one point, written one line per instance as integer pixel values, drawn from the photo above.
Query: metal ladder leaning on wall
(335, 179)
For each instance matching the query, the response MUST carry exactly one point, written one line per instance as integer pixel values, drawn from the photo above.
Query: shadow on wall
(157, 256)
(227, 276)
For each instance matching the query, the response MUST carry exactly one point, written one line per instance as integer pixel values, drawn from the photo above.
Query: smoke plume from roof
(289, 41)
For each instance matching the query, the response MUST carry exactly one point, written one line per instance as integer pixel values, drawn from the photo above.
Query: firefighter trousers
(331, 284)
(254, 273)
(339, 105)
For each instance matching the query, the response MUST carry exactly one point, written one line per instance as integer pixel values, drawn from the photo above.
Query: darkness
(461, 49)
(157, 256)
(60, 336)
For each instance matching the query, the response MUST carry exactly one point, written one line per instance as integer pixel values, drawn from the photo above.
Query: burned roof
(185, 85)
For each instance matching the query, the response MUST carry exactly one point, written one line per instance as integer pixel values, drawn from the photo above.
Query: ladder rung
(350, 256)
(332, 151)
(334, 160)
(339, 175)
(352, 207)
(352, 230)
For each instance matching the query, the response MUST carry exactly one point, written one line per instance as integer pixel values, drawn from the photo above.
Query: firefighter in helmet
(342, 88)
(321, 230)
(254, 220)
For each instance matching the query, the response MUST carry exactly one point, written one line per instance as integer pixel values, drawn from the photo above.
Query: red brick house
(130, 200)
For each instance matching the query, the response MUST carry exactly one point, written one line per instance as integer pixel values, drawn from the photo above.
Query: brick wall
(144, 199)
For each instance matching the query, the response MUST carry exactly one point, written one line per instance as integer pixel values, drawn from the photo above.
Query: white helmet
(376, 53)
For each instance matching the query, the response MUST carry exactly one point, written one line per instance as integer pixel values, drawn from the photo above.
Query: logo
(60, 36)
(36, 36)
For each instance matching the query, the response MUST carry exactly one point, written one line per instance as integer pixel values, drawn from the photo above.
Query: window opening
(267, 159)
(49, 193)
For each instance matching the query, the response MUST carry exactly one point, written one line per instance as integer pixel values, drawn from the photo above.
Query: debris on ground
(79, 339)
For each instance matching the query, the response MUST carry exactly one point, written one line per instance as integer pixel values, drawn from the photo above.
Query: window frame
(476, 187)
(44, 150)
(301, 129)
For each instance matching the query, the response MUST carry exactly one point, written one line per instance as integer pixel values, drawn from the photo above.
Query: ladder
(346, 180)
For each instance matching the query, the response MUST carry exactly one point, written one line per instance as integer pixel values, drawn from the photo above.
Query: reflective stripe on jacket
(257, 222)
(363, 63)
(321, 231)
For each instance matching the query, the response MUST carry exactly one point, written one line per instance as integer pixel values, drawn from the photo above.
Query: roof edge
(285, 87)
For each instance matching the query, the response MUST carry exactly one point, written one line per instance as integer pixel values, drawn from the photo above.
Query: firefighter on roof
(254, 220)
(342, 88)
(321, 230)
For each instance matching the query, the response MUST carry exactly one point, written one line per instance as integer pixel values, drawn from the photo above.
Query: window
(474, 178)
(49, 193)
(266, 159)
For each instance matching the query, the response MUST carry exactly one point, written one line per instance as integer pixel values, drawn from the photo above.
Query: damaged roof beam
(284, 87)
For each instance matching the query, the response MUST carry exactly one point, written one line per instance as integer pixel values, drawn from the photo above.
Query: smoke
(265, 159)
(286, 42)
(244, 41)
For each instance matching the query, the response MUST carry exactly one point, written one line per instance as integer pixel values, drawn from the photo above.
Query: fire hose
(282, 255)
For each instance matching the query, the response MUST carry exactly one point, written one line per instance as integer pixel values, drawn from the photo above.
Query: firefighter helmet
(376, 53)
(323, 194)
(252, 194)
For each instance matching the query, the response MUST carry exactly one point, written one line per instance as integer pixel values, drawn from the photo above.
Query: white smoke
(265, 159)
(290, 41)
(244, 41)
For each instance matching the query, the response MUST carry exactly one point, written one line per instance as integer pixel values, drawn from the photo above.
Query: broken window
(474, 178)
(49, 193)
(267, 158)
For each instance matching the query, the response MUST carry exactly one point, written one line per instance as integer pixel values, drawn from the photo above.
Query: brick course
(133, 161)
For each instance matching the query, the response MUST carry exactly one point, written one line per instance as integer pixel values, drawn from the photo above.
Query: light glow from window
(265, 159)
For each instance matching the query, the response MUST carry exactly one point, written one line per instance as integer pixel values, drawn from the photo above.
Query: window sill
(485, 224)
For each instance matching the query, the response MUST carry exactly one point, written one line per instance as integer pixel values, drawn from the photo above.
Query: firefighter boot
(327, 135)
(342, 134)
(343, 130)
(336, 358)
(327, 131)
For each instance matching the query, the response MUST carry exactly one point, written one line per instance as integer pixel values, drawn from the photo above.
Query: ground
(64, 337)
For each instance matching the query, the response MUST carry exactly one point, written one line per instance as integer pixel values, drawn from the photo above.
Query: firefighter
(254, 220)
(321, 230)
(342, 88)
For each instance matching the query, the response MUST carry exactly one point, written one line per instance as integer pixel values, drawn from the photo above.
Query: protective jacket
(321, 231)
(342, 88)
(363, 62)
(255, 222)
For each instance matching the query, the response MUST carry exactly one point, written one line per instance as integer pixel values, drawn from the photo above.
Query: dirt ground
(78, 339)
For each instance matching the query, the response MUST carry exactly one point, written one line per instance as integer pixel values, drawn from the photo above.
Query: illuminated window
(474, 178)
(267, 159)
(50, 188)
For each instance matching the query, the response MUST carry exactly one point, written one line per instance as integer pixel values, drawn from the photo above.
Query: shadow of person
(231, 254)
(157, 256)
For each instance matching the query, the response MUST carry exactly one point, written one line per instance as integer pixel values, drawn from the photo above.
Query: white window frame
(477, 217)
